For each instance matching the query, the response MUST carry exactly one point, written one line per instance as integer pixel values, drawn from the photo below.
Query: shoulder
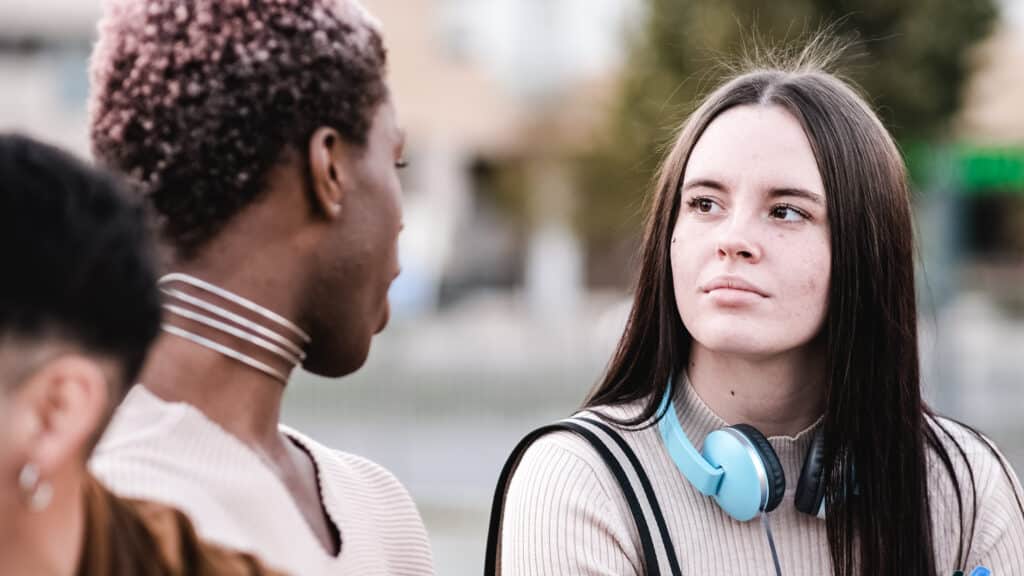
(560, 460)
(561, 471)
(972, 455)
(152, 438)
(566, 460)
(141, 417)
(563, 491)
(151, 448)
(168, 452)
(985, 485)
(563, 453)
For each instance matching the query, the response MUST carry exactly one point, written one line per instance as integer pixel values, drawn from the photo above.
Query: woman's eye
(703, 205)
(787, 213)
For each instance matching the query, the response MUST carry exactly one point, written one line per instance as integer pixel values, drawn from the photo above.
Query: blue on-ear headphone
(739, 468)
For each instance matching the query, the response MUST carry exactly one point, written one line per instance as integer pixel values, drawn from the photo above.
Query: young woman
(776, 294)
(264, 137)
(79, 307)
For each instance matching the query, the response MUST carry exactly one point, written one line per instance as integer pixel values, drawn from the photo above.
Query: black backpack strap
(651, 563)
(645, 482)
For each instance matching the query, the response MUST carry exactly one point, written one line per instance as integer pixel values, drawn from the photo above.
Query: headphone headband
(704, 477)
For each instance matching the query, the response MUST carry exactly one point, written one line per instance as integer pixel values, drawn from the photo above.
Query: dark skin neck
(262, 255)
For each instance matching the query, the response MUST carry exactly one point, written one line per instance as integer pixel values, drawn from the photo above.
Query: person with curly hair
(264, 137)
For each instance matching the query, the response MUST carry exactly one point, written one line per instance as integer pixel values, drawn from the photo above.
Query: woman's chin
(337, 363)
(385, 318)
(746, 344)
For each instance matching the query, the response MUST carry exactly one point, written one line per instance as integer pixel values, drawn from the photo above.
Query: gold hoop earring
(38, 491)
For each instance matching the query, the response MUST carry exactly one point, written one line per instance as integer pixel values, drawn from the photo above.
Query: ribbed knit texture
(169, 452)
(565, 514)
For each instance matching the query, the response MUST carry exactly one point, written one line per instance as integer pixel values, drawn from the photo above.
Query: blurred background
(534, 129)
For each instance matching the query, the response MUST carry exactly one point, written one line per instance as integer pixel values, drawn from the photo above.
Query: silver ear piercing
(39, 491)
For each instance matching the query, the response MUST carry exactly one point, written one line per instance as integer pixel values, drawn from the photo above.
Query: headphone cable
(771, 543)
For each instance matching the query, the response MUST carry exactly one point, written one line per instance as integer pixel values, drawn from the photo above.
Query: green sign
(991, 170)
(967, 170)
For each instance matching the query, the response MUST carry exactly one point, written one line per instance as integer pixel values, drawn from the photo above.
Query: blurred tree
(908, 56)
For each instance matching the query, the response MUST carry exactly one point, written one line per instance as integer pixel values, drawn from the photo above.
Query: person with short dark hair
(264, 137)
(79, 308)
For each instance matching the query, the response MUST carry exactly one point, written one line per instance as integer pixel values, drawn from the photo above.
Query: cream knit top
(565, 513)
(170, 452)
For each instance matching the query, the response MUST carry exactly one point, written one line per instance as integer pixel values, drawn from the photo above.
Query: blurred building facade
(497, 96)
(44, 49)
(991, 130)
(482, 86)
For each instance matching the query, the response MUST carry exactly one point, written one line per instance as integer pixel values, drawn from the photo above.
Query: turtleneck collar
(698, 420)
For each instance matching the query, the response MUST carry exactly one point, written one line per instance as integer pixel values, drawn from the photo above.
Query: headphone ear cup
(745, 456)
(772, 466)
(810, 490)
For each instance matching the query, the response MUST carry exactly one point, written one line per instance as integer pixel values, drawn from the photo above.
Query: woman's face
(381, 189)
(361, 261)
(750, 249)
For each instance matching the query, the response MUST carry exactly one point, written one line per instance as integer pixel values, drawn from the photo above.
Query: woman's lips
(732, 285)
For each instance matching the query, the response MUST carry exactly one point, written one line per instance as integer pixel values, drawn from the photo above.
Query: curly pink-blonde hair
(194, 100)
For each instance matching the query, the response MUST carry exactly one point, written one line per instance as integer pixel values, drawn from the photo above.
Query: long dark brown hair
(874, 414)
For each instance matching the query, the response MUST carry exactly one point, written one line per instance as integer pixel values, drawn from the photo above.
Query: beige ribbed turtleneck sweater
(565, 514)
(171, 453)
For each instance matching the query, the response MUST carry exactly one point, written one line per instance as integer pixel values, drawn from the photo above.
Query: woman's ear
(329, 178)
(67, 402)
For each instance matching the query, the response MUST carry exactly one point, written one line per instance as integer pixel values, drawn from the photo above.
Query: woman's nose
(736, 242)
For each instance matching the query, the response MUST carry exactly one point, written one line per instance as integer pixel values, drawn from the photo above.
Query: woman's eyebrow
(703, 183)
(798, 193)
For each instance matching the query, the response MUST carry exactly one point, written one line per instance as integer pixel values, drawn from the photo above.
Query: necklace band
(229, 352)
(236, 299)
(232, 331)
(235, 318)
(205, 312)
